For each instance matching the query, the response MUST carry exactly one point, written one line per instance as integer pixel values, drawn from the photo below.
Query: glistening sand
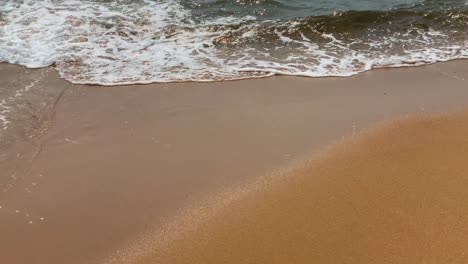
(119, 163)
(394, 195)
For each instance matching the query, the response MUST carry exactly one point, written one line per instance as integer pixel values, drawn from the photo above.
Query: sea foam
(128, 42)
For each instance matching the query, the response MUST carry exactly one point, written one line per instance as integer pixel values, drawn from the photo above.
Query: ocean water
(112, 42)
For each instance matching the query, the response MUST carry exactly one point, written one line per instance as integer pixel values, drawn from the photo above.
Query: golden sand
(119, 163)
(398, 194)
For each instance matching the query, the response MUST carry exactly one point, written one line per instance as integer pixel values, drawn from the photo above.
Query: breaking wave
(145, 41)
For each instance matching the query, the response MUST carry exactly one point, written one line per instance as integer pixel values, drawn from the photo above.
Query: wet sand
(119, 163)
(394, 195)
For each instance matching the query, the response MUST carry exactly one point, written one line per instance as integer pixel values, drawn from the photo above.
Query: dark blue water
(287, 9)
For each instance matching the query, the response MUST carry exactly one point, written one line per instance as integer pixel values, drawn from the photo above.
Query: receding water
(144, 41)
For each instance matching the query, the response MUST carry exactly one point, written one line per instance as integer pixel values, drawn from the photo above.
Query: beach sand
(394, 195)
(119, 164)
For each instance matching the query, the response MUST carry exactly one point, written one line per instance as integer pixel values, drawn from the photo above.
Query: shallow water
(27, 102)
(144, 41)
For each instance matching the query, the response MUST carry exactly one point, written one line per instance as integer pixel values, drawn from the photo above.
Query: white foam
(126, 42)
(4, 110)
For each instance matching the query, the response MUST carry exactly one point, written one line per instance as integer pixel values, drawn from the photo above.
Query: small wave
(144, 41)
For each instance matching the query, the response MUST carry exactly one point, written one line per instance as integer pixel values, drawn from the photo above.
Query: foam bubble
(4, 110)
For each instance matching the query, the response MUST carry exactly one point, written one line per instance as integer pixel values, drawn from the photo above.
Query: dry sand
(396, 195)
(121, 162)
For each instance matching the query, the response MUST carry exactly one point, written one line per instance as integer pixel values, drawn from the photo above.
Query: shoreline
(272, 74)
(119, 161)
